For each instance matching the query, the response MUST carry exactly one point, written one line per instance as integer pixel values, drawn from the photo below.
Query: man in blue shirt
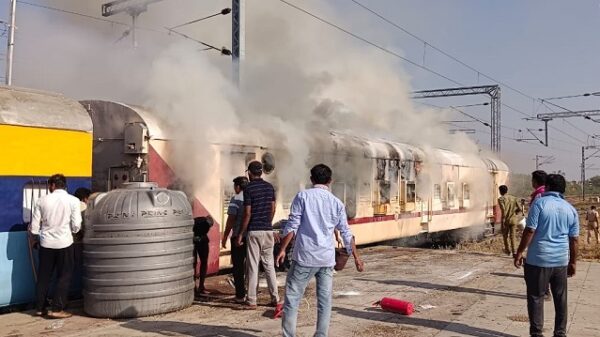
(314, 215)
(551, 234)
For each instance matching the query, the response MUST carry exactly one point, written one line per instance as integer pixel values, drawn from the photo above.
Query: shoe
(248, 306)
(241, 300)
(59, 314)
(273, 304)
(40, 313)
(202, 292)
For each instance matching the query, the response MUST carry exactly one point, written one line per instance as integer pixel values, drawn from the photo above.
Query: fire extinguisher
(395, 305)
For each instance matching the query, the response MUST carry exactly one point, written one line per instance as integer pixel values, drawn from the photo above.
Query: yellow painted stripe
(31, 151)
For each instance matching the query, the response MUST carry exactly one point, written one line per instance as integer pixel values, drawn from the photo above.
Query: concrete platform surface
(455, 294)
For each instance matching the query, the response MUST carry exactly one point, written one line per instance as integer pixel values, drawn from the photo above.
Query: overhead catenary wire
(91, 17)
(73, 13)
(587, 94)
(475, 119)
(373, 44)
(432, 46)
(224, 51)
(546, 104)
(549, 126)
(509, 128)
(386, 50)
(324, 21)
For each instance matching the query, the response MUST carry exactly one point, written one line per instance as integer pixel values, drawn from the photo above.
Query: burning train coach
(391, 190)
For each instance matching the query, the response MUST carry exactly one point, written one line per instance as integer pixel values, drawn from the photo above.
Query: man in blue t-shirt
(551, 234)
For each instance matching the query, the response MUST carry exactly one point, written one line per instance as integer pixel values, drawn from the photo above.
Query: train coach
(40, 134)
(391, 190)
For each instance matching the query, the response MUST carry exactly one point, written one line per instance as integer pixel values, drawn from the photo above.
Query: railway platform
(455, 293)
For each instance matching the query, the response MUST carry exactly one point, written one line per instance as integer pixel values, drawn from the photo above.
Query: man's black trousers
(61, 261)
(537, 280)
(238, 259)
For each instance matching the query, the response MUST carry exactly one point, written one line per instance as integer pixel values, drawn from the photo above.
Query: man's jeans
(297, 280)
(537, 279)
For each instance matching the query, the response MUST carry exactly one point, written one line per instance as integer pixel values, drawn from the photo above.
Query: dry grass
(519, 318)
(495, 245)
(587, 252)
(380, 330)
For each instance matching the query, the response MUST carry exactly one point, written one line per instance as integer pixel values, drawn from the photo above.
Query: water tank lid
(139, 185)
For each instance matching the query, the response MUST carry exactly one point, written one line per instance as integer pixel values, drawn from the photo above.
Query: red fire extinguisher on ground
(396, 305)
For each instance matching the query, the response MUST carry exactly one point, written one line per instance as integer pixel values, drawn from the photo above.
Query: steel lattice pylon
(491, 90)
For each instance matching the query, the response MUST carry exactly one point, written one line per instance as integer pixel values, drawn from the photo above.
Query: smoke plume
(300, 79)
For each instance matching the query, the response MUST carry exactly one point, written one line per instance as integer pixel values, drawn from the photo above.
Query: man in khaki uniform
(592, 220)
(511, 215)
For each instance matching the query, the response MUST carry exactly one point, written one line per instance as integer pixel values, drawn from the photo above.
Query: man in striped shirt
(259, 209)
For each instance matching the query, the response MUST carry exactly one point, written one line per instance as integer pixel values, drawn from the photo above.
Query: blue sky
(544, 48)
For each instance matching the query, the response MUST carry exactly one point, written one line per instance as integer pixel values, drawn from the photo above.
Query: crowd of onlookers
(317, 218)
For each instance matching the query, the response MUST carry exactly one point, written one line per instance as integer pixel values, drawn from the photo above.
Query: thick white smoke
(300, 80)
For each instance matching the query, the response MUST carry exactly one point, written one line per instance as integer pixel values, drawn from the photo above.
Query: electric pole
(238, 37)
(583, 173)
(583, 159)
(493, 91)
(10, 48)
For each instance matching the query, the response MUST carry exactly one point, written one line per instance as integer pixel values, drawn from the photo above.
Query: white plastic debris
(230, 282)
(346, 293)
(426, 306)
(465, 275)
(56, 325)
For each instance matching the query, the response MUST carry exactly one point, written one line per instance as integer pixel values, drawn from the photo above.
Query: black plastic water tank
(138, 252)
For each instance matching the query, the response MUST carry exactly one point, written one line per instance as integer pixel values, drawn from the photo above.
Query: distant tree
(595, 181)
(519, 184)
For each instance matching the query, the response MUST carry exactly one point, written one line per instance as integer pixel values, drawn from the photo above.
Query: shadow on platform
(507, 275)
(454, 327)
(171, 328)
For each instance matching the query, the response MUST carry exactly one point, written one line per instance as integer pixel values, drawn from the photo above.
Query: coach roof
(32, 108)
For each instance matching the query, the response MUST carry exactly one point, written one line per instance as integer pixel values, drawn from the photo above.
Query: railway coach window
(347, 194)
(411, 192)
(32, 192)
(437, 191)
(466, 192)
(451, 195)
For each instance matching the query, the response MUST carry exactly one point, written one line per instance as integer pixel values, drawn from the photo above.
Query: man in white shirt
(56, 217)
